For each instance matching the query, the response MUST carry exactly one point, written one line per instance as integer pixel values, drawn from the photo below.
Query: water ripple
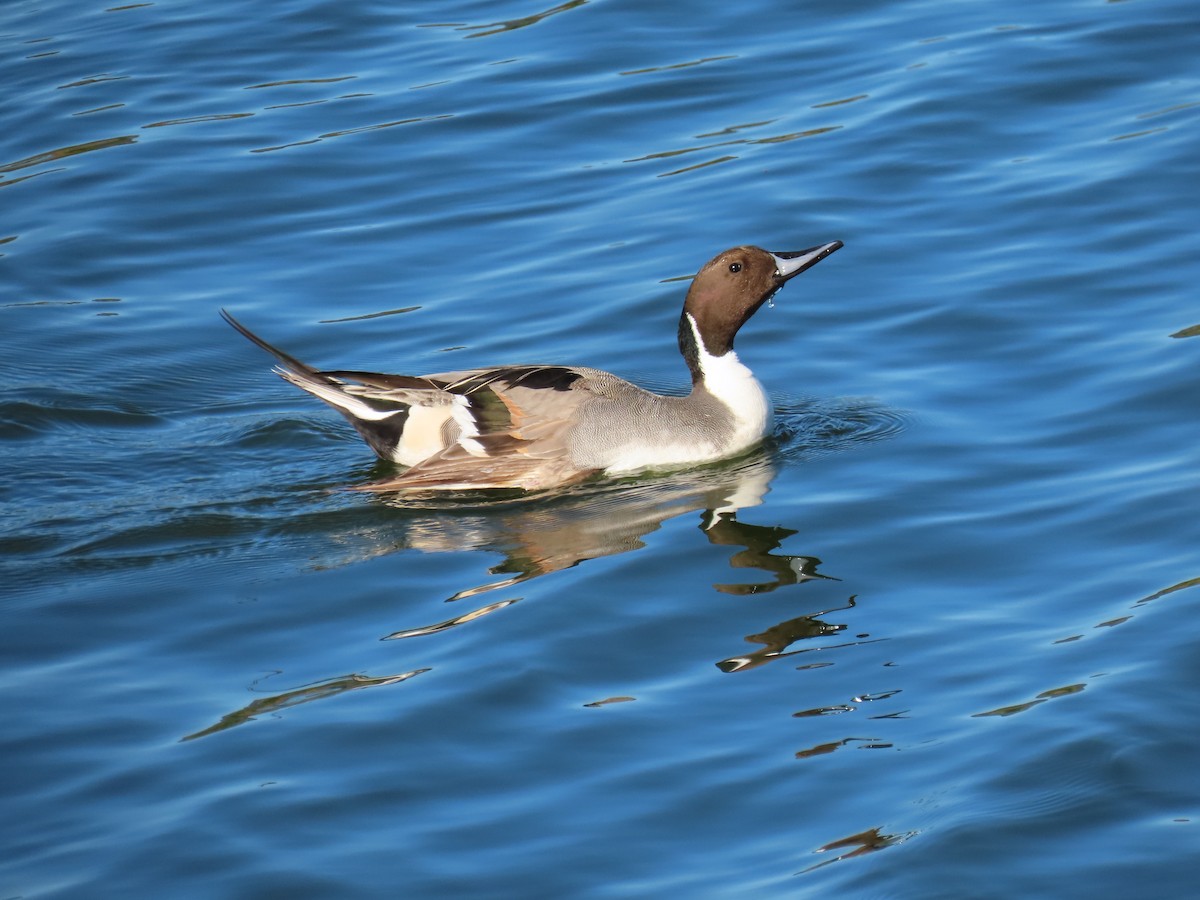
(806, 430)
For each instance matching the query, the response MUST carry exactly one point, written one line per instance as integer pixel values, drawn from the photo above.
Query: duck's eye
(735, 267)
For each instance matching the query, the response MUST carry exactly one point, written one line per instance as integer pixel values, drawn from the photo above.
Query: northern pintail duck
(536, 427)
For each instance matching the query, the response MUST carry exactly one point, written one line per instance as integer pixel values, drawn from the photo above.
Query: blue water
(936, 639)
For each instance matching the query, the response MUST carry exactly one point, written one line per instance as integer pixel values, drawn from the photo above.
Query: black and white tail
(379, 419)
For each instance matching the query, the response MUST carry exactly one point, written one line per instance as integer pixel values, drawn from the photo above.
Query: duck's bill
(788, 265)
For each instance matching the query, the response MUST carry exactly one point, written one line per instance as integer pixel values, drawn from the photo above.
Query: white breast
(744, 409)
(728, 379)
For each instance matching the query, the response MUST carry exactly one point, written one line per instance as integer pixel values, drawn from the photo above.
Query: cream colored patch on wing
(423, 434)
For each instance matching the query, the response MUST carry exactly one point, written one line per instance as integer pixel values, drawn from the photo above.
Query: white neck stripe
(728, 379)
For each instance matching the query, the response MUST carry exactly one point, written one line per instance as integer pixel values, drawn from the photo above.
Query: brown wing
(523, 417)
(458, 470)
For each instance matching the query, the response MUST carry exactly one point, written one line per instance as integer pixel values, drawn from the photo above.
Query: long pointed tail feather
(380, 423)
(289, 362)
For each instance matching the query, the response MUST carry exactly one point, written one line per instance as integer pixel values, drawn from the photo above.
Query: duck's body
(538, 427)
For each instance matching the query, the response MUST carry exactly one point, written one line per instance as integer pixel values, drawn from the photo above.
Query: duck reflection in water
(607, 519)
(538, 537)
(613, 518)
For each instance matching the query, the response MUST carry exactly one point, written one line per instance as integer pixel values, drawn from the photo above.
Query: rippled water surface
(937, 639)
